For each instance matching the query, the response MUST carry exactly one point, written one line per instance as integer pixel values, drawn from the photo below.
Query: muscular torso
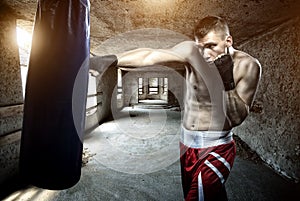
(198, 109)
(199, 112)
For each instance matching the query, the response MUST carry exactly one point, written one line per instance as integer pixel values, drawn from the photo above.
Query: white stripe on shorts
(200, 188)
(220, 158)
(213, 168)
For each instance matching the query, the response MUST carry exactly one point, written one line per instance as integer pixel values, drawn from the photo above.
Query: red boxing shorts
(206, 159)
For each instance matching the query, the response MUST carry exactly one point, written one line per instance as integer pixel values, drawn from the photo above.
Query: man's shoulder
(245, 59)
(247, 66)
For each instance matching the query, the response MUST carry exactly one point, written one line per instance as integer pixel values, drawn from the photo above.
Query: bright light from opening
(23, 38)
(24, 42)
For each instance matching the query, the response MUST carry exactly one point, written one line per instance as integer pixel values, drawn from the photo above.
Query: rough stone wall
(274, 131)
(247, 18)
(11, 87)
(11, 97)
(112, 17)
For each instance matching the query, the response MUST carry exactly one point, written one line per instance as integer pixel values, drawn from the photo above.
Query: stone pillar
(130, 89)
(106, 91)
(11, 97)
(145, 86)
(160, 86)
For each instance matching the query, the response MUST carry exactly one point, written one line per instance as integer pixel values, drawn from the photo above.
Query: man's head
(213, 37)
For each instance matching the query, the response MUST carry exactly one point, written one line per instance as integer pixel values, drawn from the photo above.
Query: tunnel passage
(119, 87)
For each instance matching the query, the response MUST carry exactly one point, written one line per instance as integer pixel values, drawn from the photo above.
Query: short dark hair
(211, 23)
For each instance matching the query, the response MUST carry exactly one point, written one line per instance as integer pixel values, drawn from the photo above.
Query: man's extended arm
(147, 56)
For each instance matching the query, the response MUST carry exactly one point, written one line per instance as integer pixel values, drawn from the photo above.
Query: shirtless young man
(221, 83)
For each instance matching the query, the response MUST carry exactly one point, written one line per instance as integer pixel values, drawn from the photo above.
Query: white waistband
(204, 139)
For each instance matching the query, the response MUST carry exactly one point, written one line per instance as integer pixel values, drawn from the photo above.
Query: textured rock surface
(10, 95)
(112, 17)
(10, 72)
(9, 156)
(274, 133)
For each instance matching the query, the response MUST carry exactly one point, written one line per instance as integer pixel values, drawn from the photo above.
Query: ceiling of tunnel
(109, 18)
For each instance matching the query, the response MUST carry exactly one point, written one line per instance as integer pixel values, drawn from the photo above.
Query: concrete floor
(135, 157)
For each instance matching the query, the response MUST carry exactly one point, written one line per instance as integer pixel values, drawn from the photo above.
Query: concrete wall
(11, 97)
(106, 81)
(273, 131)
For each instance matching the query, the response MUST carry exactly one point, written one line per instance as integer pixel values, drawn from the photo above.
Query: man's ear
(229, 41)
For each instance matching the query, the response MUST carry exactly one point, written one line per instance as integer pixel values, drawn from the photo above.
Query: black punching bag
(56, 91)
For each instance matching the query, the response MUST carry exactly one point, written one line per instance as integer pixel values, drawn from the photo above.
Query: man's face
(211, 45)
